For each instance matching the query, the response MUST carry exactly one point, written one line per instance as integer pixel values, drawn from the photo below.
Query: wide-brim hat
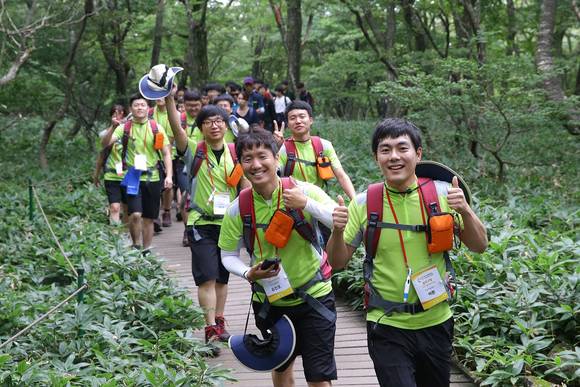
(159, 82)
(266, 354)
(438, 171)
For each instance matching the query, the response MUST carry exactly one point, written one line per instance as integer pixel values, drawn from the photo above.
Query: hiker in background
(407, 271)
(236, 125)
(109, 162)
(281, 102)
(246, 111)
(254, 98)
(310, 158)
(305, 293)
(213, 182)
(267, 120)
(304, 95)
(144, 144)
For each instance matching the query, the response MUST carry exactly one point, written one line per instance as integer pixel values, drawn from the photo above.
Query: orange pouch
(324, 168)
(158, 141)
(234, 178)
(279, 230)
(440, 233)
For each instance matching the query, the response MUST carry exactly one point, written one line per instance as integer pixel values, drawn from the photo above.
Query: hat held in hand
(159, 82)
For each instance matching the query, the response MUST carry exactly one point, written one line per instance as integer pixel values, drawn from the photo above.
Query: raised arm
(474, 234)
(173, 116)
(339, 253)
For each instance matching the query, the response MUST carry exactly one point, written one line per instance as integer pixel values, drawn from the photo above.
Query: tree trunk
(197, 62)
(413, 25)
(545, 62)
(69, 82)
(294, 41)
(512, 47)
(391, 27)
(257, 71)
(158, 33)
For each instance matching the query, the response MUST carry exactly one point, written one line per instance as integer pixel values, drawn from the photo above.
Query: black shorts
(314, 337)
(147, 201)
(404, 357)
(206, 261)
(179, 177)
(115, 193)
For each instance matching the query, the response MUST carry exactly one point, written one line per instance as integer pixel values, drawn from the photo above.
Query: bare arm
(344, 182)
(168, 183)
(173, 116)
(339, 253)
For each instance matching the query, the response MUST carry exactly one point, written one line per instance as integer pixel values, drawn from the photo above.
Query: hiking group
(239, 183)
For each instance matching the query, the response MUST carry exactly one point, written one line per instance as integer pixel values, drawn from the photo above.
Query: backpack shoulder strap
(302, 227)
(246, 204)
(429, 194)
(200, 153)
(125, 142)
(290, 156)
(154, 127)
(374, 217)
(232, 148)
(150, 112)
(317, 145)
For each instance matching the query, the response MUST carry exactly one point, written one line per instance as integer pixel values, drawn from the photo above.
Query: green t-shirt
(306, 171)
(114, 158)
(211, 177)
(141, 141)
(390, 273)
(299, 258)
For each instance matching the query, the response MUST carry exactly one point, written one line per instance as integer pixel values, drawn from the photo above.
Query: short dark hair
(393, 128)
(298, 105)
(210, 111)
(246, 95)
(279, 89)
(235, 86)
(214, 86)
(254, 139)
(224, 97)
(191, 95)
(116, 107)
(135, 97)
(300, 85)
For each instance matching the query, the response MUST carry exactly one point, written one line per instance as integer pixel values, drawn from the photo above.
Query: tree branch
(18, 62)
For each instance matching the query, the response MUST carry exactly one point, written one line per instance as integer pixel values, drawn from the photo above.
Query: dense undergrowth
(134, 327)
(518, 310)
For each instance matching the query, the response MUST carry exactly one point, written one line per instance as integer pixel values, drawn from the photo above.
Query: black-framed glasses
(217, 121)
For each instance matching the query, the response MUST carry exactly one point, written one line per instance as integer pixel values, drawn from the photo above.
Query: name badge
(277, 287)
(429, 287)
(140, 162)
(119, 168)
(221, 202)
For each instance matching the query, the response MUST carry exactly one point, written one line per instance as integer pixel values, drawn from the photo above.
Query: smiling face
(259, 164)
(139, 109)
(225, 105)
(397, 158)
(299, 122)
(213, 128)
(192, 107)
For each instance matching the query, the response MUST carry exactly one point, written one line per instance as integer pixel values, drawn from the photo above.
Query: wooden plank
(354, 365)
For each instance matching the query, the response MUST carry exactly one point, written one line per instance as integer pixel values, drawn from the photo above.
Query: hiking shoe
(185, 242)
(224, 335)
(211, 339)
(157, 226)
(166, 219)
(178, 215)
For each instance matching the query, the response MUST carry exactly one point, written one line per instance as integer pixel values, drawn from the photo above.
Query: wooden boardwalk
(355, 367)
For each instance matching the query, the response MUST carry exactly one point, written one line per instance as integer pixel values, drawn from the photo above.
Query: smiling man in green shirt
(409, 341)
(307, 297)
(143, 208)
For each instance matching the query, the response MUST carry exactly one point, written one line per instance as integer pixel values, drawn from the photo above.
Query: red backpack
(321, 160)
(127, 133)
(375, 194)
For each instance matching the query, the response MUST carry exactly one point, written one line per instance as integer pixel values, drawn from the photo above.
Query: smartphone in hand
(269, 263)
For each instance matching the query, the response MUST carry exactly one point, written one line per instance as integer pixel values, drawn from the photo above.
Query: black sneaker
(157, 226)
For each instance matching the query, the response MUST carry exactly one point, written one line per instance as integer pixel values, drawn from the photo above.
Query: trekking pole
(30, 201)
(81, 285)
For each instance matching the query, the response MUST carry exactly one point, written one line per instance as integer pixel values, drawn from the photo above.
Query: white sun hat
(158, 83)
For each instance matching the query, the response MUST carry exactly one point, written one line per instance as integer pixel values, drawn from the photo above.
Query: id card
(277, 287)
(221, 202)
(141, 162)
(119, 168)
(429, 287)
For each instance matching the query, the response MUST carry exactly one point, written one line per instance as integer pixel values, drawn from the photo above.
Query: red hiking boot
(223, 334)
(211, 339)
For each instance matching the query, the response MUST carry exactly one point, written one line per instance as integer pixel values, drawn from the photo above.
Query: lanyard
(144, 136)
(299, 163)
(209, 168)
(255, 226)
(397, 222)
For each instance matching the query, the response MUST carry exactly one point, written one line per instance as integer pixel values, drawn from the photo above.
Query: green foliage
(135, 327)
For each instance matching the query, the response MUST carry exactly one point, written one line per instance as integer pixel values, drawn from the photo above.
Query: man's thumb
(455, 182)
(340, 201)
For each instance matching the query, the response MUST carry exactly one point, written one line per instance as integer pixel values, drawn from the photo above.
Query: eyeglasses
(217, 121)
